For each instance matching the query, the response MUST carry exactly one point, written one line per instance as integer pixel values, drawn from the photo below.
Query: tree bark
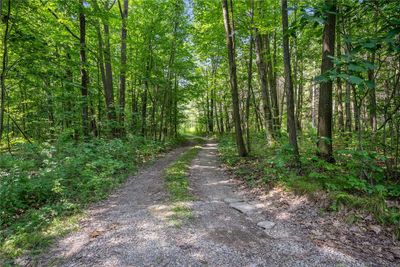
(339, 85)
(109, 90)
(325, 95)
(249, 81)
(372, 96)
(262, 73)
(230, 43)
(4, 68)
(272, 85)
(84, 72)
(291, 122)
(122, 76)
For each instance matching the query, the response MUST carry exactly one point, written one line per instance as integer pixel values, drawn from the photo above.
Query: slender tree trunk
(299, 108)
(291, 122)
(348, 107)
(372, 96)
(230, 43)
(249, 81)
(256, 111)
(357, 109)
(221, 117)
(314, 105)
(272, 86)
(4, 68)
(134, 108)
(211, 121)
(339, 86)
(84, 72)
(144, 103)
(122, 76)
(109, 92)
(325, 94)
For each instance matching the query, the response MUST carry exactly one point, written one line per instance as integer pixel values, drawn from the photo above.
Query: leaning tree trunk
(230, 43)
(291, 121)
(325, 150)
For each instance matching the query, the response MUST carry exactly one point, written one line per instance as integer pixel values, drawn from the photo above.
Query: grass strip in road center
(177, 182)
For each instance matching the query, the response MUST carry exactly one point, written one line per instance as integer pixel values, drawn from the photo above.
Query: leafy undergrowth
(43, 188)
(356, 182)
(177, 183)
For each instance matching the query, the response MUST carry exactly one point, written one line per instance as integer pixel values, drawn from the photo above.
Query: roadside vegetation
(357, 181)
(44, 187)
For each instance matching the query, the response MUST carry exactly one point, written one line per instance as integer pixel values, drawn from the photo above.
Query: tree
(262, 73)
(325, 150)
(122, 76)
(230, 43)
(6, 20)
(84, 72)
(291, 121)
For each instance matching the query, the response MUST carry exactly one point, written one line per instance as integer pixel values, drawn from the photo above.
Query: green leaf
(356, 67)
(355, 80)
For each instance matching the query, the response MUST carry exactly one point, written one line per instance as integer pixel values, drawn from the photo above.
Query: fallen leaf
(96, 233)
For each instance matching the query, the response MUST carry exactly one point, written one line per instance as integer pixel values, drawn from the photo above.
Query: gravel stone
(266, 224)
(243, 207)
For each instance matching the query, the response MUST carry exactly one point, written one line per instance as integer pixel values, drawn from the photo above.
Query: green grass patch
(177, 183)
(44, 188)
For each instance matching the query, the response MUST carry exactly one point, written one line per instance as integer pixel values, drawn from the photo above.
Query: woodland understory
(303, 94)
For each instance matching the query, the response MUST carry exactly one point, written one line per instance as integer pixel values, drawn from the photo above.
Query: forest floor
(228, 226)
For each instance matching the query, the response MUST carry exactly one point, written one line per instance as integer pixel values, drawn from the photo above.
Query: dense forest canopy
(316, 82)
(107, 68)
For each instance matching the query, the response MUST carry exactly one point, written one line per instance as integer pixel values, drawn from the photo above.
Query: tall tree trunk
(339, 86)
(122, 76)
(134, 107)
(272, 86)
(262, 73)
(4, 67)
(347, 50)
(221, 117)
(211, 121)
(249, 81)
(291, 122)
(230, 43)
(372, 96)
(84, 72)
(357, 109)
(256, 111)
(299, 108)
(314, 105)
(325, 94)
(144, 102)
(109, 92)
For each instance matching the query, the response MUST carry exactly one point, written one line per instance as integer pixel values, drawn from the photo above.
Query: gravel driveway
(131, 228)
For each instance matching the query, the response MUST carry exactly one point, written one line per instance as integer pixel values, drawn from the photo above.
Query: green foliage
(41, 184)
(356, 181)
